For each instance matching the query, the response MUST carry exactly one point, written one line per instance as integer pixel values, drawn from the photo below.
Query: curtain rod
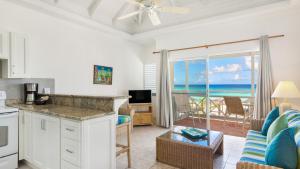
(219, 44)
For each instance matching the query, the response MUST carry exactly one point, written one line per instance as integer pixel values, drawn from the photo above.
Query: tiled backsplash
(15, 87)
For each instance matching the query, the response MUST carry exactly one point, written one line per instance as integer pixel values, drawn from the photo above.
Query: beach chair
(235, 106)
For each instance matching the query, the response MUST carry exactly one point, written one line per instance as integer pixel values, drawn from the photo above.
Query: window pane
(179, 75)
(197, 76)
(230, 76)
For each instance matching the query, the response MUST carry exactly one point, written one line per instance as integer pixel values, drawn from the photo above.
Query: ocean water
(217, 90)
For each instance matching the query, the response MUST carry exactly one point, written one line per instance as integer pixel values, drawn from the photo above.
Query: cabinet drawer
(70, 151)
(67, 165)
(70, 129)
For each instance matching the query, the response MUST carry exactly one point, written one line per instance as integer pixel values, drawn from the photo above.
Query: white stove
(8, 135)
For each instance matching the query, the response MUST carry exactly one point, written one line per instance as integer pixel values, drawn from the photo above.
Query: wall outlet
(47, 90)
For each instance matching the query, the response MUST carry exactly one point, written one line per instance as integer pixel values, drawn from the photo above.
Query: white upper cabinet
(4, 45)
(18, 55)
(13, 55)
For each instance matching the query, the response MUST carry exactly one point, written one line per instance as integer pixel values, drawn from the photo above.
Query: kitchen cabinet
(40, 140)
(27, 136)
(21, 135)
(18, 55)
(50, 142)
(46, 141)
(13, 55)
(4, 44)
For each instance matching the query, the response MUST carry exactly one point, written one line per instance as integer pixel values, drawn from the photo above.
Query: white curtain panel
(165, 113)
(264, 86)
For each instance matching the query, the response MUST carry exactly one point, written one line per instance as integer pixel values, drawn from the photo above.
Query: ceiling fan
(151, 8)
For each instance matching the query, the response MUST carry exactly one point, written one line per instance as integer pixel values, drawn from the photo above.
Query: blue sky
(235, 70)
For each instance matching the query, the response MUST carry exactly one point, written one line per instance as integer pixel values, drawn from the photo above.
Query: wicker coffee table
(179, 151)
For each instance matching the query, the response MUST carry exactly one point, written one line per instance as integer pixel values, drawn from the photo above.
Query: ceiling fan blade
(154, 18)
(129, 15)
(156, 2)
(133, 2)
(174, 9)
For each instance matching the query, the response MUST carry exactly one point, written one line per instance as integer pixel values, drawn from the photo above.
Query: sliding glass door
(190, 92)
(200, 86)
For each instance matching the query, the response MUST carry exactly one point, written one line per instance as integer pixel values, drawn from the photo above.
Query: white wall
(67, 52)
(285, 52)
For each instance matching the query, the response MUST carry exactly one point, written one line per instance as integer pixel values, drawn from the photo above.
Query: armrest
(256, 124)
(247, 165)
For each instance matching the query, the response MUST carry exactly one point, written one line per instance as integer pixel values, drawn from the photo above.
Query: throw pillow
(278, 125)
(269, 120)
(282, 151)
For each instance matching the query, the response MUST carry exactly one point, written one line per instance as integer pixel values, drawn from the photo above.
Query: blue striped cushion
(293, 117)
(255, 147)
(123, 119)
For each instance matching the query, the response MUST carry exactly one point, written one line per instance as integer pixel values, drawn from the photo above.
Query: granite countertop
(91, 96)
(73, 113)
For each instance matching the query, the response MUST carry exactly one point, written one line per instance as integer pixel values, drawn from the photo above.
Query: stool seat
(123, 119)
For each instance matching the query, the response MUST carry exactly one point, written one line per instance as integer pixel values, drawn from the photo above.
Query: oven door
(8, 134)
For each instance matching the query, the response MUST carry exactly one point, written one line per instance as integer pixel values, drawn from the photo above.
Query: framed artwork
(103, 75)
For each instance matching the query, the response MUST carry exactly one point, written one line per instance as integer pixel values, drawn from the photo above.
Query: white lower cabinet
(46, 142)
(41, 140)
(57, 143)
(27, 136)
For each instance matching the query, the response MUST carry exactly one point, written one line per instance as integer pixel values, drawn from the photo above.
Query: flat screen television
(140, 96)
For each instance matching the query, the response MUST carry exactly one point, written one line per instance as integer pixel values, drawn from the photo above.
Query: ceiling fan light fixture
(154, 17)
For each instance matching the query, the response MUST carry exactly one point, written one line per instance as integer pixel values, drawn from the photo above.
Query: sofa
(253, 156)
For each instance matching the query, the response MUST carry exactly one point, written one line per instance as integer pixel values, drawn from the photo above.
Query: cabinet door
(52, 128)
(4, 45)
(21, 135)
(39, 141)
(46, 142)
(27, 129)
(18, 59)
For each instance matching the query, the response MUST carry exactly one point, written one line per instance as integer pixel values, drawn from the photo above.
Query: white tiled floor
(143, 150)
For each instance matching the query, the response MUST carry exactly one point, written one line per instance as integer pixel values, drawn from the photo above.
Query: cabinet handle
(68, 129)
(43, 124)
(42, 121)
(69, 151)
(23, 118)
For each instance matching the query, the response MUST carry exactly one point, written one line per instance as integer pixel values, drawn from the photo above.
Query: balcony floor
(233, 128)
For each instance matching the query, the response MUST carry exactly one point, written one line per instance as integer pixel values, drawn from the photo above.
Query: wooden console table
(143, 114)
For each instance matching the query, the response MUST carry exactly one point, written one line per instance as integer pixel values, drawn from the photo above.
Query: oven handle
(7, 115)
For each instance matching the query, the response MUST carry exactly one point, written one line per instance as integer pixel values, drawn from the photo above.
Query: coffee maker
(31, 91)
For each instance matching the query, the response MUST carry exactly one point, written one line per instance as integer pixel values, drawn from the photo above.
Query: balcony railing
(196, 102)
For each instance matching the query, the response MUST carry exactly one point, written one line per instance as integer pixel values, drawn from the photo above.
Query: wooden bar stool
(124, 122)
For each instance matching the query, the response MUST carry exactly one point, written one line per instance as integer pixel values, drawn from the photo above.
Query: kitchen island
(71, 132)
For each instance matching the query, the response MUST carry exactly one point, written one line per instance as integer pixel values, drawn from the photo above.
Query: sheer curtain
(165, 113)
(264, 87)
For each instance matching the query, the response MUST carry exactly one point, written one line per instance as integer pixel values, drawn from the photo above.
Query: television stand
(143, 114)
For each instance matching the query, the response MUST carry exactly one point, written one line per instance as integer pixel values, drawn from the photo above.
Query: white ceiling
(106, 11)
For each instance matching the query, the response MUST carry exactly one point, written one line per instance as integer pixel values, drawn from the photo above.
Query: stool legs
(126, 148)
(129, 145)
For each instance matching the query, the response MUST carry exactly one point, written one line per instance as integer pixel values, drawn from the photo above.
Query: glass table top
(175, 135)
